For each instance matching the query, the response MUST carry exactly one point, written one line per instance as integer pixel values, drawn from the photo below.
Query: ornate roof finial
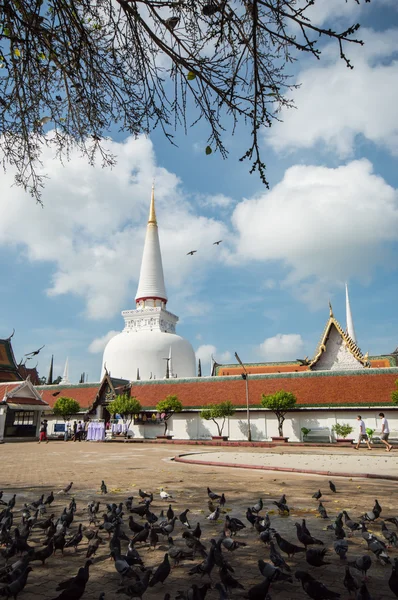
(152, 213)
(331, 315)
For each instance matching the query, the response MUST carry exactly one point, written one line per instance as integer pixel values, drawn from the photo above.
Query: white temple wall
(336, 357)
(189, 426)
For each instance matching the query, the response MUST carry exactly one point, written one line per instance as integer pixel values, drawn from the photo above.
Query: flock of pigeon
(34, 534)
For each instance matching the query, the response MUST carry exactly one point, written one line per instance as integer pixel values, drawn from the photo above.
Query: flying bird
(191, 252)
(35, 352)
(217, 243)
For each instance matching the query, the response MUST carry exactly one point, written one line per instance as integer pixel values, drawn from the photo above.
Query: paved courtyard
(30, 469)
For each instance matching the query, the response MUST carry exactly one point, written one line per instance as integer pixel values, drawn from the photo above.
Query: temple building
(148, 347)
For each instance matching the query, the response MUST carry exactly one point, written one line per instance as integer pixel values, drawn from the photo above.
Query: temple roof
(347, 341)
(8, 365)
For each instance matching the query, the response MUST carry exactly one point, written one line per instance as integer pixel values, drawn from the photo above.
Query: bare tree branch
(80, 67)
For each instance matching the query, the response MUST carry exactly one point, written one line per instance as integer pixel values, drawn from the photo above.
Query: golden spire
(152, 213)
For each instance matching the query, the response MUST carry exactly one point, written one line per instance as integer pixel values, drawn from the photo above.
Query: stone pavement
(31, 469)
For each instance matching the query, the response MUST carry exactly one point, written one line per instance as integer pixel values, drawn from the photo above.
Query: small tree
(66, 407)
(168, 407)
(218, 411)
(394, 394)
(125, 405)
(342, 429)
(280, 403)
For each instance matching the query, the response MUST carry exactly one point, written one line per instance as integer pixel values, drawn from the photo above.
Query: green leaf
(191, 76)
(208, 150)
(6, 32)
(17, 52)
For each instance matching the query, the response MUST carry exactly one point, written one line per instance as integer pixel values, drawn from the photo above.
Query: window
(24, 417)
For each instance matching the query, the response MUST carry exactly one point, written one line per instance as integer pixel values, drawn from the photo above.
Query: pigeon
(197, 532)
(16, 586)
(178, 554)
(317, 495)
(142, 494)
(104, 489)
(170, 513)
(191, 252)
(315, 589)
(164, 495)
(378, 548)
(217, 243)
(362, 564)
(43, 553)
(390, 536)
(229, 581)
(93, 546)
(287, 547)
(214, 515)
(259, 591)
(212, 495)
(82, 574)
(222, 500)
(233, 524)
(282, 507)
(206, 566)
(231, 544)
(374, 514)
(393, 581)
(172, 22)
(341, 548)
(304, 538)
(363, 593)
(50, 499)
(350, 583)
(322, 511)
(273, 573)
(194, 544)
(352, 525)
(258, 506)
(315, 556)
(223, 594)
(332, 487)
(184, 519)
(277, 559)
(142, 536)
(75, 540)
(66, 489)
(162, 572)
(122, 566)
(137, 588)
(251, 517)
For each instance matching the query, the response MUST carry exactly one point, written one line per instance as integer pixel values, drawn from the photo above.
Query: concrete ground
(377, 461)
(30, 469)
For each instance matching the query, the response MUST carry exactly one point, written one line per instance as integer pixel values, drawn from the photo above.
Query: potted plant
(167, 408)
(305, 432)
(342, 430)
(216, 412)
(280, 403)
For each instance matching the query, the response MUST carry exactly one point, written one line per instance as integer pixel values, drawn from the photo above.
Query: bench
(318, 433)
(393, 436)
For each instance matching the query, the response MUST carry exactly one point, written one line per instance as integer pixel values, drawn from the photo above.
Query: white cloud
(282, 347)
(98, 344)
(92, 227)
(336, 104)
(324, 225)
(215, 200)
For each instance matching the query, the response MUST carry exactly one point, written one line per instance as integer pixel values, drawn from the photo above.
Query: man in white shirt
(362, 435)
(385, 432)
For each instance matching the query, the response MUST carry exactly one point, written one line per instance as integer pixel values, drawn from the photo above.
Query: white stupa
(148, 347)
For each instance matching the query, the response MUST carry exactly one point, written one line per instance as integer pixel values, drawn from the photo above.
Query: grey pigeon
(273, 573)
(162, 572)
(315, 589)
(341, 548)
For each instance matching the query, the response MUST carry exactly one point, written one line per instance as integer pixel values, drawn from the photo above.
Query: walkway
(345, 462)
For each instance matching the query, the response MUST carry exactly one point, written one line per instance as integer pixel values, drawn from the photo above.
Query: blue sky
(331, 215)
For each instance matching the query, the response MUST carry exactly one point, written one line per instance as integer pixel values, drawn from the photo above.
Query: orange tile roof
(258, 369)
(84, 393)
(7, 387)
(328, 389)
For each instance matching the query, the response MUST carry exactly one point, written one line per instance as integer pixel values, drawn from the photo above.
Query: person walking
(43, 431)
(74, 430)
(385, 432)
(362, 435)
